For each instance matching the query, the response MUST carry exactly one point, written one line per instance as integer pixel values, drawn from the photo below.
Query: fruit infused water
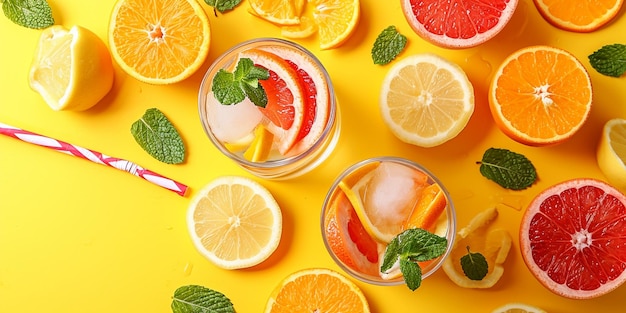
(374, 201)
(269, 105)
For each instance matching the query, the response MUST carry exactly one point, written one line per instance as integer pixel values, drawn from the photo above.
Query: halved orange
(578, 15)
(317, 290)
(285, 98)
(159, 41)
(540, 95)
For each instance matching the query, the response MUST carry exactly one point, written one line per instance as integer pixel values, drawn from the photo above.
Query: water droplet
(188, 269)
(508, 201)
(478, 69)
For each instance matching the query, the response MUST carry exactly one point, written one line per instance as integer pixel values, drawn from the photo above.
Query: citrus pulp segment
(540, 95)
(285, 108)
(426, 100)
(493, 244)
(518, 308)
(458, 23)
(611, 152)
(572, 238)
(317, 290)
(281, 12)
(578, 16)
(159, 41)
(234, 222)
(72, 69)
(316, 94)
(336, 20)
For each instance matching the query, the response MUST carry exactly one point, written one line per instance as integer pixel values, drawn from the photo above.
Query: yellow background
(80, 237)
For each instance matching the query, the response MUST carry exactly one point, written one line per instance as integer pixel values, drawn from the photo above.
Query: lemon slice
(71, 69)
(261, 146)
(611, 153)
(426, 100)
(494, 245)
(234, 222)
(518, 308)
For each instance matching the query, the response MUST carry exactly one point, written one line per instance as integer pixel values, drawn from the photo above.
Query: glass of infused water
(374, 201)
(268, 104)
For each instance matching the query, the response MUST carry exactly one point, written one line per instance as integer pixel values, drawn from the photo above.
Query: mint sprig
(610, 60)
(223, 5)
(232, 88)
(474, 265)
(388, 45)
(28, 13)
(409, 247)
(199, 299)
(157, 136)
(508, 169)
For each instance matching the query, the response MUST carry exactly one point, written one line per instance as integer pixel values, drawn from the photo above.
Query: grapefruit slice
(285, 98)
(458, 23)
(348, 239)
(315, 89)
(573, 238)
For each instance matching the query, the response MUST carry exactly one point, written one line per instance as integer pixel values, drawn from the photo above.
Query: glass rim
(450, 212)
(272, 164)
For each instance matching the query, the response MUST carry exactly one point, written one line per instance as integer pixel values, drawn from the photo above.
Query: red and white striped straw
(93, 156)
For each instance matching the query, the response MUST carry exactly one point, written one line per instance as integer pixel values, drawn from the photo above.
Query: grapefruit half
(458, 23)
(573, 238)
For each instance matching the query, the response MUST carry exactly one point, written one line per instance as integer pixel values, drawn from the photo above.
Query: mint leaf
(198, 299)
(610, 60)
(409, 247)
(232, 88)
(157, 136)
(28, 13)
(508, 169)
(223, 5)
(388, 45)
(474, 265)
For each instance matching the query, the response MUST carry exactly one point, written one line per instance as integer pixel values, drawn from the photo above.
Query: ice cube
(392, 194)
(230, 123)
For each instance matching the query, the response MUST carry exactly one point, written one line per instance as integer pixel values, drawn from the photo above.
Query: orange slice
(431, 203)
(540, 95)
(159, 41)
(281, 12)
(234, 222)
(336, 20)
(578, 15)
(317, 290)
(286, 104)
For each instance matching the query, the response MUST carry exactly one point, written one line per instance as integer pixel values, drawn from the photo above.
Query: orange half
(159, 41)
(540, 95)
